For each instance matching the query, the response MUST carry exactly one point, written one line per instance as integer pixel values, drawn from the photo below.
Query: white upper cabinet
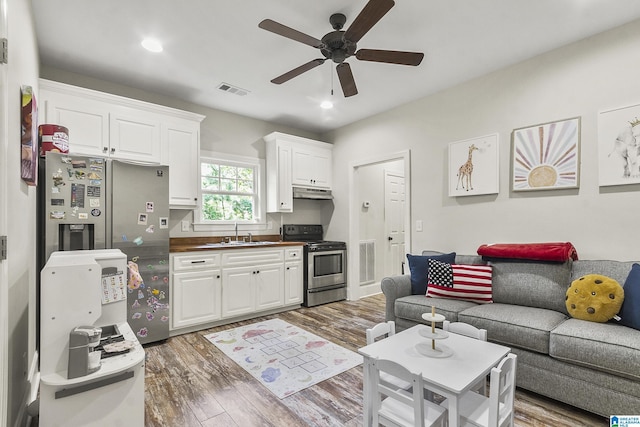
(181, 138)
(293, 161)
(86, 119)
(134, 135)
(105, 125)
(102, 124)
(279, 186)
(311, 166)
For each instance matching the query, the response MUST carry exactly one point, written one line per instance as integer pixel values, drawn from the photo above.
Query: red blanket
(531, 251)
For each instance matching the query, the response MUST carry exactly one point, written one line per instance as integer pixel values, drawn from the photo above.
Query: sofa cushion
(533, 284)
(419, 267)
(630, 310)
(603, 346)
(513, 325)
(458, 281)
(617, 270)
(413, 306)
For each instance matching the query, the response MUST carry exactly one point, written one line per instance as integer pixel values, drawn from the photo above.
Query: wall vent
(367, 261)
(233, 89)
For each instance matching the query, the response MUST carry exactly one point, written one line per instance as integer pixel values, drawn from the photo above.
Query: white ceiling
(208, 42)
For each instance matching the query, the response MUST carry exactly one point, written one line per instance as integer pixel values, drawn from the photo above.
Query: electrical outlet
(419, 225)
(185, 225)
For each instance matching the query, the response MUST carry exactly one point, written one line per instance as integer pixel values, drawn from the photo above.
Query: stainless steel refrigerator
(97, 203)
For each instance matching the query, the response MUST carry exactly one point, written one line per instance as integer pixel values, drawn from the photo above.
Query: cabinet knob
(104, 149)
(218, 276)
(113, 150)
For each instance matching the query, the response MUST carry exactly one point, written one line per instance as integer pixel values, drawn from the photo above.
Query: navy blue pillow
(630, 310)
(419, 267)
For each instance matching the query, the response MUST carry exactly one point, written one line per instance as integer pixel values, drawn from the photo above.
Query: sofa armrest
(393, 288)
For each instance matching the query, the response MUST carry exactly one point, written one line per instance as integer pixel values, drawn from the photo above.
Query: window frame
(259, 221)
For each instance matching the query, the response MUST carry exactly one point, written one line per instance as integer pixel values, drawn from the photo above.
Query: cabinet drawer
(240, 257)
(195, 261)
(293, 254)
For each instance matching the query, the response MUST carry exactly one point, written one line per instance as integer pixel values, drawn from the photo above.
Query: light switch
(419, 225)
(185, 225)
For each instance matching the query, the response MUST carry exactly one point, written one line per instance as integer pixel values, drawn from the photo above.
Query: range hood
(311, 193)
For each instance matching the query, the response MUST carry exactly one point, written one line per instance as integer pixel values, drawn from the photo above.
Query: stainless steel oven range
(325, 264)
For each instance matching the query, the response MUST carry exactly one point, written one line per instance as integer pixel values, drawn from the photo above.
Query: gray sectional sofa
(593, 366)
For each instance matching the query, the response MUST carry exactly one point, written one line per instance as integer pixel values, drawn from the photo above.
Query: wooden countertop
(194, 244)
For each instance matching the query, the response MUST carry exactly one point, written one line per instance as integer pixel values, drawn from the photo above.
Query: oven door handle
(326, 288)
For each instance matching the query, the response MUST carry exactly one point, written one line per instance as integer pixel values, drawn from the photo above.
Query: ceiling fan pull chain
(331, 72)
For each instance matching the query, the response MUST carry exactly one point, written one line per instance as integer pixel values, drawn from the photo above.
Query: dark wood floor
(189, 382)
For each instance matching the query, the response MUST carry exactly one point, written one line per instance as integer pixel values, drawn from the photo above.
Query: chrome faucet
(236, 228)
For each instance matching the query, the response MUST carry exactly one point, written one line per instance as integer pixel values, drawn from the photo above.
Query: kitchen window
(230, 190)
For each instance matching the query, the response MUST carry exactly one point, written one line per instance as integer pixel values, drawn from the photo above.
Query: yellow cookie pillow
(594, 297)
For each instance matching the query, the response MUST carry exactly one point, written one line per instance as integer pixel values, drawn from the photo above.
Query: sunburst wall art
(546, 156)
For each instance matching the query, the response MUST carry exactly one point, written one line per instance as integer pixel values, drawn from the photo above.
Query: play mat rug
(283, 357)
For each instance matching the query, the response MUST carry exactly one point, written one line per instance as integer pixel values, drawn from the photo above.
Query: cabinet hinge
(4, 55)
(3, 248)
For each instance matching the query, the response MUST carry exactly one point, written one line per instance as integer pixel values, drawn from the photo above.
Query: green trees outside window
(228, 191)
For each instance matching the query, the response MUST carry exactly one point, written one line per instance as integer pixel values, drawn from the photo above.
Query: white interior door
(394, 206)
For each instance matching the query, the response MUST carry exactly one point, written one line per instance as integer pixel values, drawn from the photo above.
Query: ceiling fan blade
(297, 71)
(346, 80)
(368, 17)
(390, 56)
(290, 33)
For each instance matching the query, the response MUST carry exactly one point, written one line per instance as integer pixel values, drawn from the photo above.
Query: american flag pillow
(458, 281)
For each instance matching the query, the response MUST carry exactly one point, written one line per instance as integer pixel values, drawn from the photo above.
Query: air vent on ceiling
(233, 89)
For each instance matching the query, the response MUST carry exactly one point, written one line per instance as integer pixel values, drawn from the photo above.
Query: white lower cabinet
(196, 297)
(252, 288)
(293, 276)
(196, 289)
(216, 285)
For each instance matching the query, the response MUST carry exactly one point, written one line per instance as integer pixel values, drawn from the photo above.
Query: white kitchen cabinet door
(311, 166)
(279, 185)
(196, 297)
(238, 293)
(135, 135)
(252, 288)
(269, 281)
(293, 282)
(181, 142)
(86, 119)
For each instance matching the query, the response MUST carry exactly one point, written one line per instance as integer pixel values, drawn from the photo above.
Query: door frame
(4, 275)
(354, 291)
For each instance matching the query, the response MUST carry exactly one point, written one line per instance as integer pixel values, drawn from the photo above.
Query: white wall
(578, 80)
(21, 215)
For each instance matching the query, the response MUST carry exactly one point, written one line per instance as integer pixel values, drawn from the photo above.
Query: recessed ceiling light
(326, 105)
(152, 45)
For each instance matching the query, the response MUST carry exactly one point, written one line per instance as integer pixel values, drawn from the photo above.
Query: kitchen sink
(238, 243)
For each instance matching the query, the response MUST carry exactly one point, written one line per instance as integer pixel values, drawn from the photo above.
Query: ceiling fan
(339, 45)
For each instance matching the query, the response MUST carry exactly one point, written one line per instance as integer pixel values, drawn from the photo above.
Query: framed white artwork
(546, 156)
(474, 166)
(619, 146)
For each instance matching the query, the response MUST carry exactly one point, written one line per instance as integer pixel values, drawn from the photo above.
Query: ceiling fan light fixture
(152, 45)
(326, 105)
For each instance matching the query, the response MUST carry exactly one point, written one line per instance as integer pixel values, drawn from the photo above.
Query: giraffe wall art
(473, 166)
